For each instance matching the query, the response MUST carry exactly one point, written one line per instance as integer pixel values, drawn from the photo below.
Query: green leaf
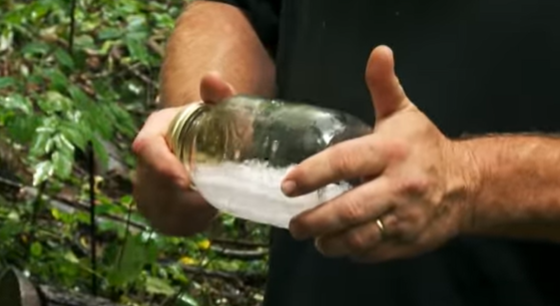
(114, 227)
(85, 41)
(151, 250)
(16, 102)
(35, 48)
(7, 82)
(43, 171)
(55, 213)
(73, 133)
(109, 33)
(38, 10)
(71, 257)
(105, 128)
(42, 142)
(64, 58)
(100, 152)
(126, 200)
(137, 24)
(82, 217)
(62, 164)
(9, 229)
(14, 216)
(184, 299)
(158, 286)
(58, 81)
(64, 145)
(53, 102)
(13, 17)
(123, 119)
(176, 272)
(138, 50)
(22, 129)
(131, 264)
(109, 208)
(36, 249)
(79, 95)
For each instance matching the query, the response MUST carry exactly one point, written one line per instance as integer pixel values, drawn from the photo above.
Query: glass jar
(238, 151)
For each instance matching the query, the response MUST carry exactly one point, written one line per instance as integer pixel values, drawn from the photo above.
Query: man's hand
(162, 184)
(412, 200)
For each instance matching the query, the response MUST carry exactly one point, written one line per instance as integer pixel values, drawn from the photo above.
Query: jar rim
(180, 127)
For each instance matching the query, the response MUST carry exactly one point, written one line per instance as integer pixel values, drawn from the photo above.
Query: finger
(386, 92)
(361, 204)
(156, 158)
(351, 159)
(355, 240)
(156, 124)
(152, 150)
(213, 88)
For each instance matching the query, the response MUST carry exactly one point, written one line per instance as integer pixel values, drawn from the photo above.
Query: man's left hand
(417, 181)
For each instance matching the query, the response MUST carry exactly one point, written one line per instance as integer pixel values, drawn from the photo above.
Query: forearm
(517, 190)
(212, 36)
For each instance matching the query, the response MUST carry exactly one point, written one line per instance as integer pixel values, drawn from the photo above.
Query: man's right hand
(162, 186)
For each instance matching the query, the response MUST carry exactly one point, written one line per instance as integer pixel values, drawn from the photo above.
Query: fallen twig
(239, 243)
(240, 254)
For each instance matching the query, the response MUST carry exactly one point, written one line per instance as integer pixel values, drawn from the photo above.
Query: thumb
(213, 88)
(386, 92)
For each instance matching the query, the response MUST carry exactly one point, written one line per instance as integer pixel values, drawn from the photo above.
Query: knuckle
(139, 144)
(356, 242)
(414, 186)
(341, 161)
(396, 150)
(141, 141)
(404, 226)
(352, 212)
(391, 223)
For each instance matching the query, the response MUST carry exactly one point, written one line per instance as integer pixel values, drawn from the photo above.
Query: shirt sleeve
(264, 15)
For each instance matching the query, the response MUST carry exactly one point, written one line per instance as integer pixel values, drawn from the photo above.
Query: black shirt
(473, 66)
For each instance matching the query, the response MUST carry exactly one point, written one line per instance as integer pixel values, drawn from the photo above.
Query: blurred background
(77, 80)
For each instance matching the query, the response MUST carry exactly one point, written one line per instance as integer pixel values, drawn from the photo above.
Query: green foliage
(58, 92)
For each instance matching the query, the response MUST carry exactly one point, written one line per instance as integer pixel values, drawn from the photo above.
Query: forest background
(77, 80)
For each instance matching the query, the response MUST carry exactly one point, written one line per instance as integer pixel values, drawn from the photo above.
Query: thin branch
(240, 254)
(157, 48)
(240, 243)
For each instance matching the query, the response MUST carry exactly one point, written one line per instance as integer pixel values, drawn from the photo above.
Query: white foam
(251, 191)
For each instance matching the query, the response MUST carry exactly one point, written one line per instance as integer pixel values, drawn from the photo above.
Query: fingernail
(318, 246)
(296, 233)
(288, 187)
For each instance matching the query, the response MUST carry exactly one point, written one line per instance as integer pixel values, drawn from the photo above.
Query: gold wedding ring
(381, 228)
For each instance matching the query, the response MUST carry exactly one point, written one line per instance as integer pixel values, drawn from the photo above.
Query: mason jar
(238, 151)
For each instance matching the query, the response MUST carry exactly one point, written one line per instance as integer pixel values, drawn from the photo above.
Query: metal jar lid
(178, 132)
